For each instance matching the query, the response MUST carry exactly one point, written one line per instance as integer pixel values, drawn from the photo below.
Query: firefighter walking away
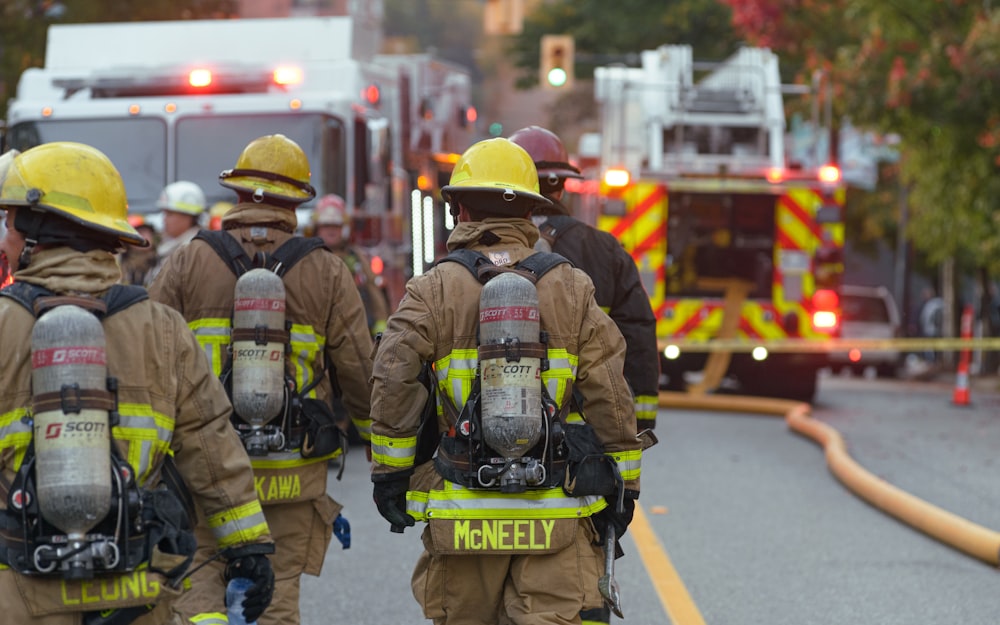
(519, 449)
(112, 427)
(617, 286)
(278, 317)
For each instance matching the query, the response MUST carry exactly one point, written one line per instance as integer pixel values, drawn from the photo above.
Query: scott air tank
(511, 394)
(72, 443)
(258, 352)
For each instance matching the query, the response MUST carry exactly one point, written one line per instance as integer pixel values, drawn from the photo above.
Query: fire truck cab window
(708, 238)
(136, 146)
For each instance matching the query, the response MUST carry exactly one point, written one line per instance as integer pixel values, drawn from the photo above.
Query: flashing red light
(372, 94)
(829, 173)
(287, 75)
(377, 265)
(775, 175)
(471, 114)
(200, 77)
(825, 299)
(854, 355)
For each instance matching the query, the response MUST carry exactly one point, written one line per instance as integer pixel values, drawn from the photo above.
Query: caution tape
(834, 345)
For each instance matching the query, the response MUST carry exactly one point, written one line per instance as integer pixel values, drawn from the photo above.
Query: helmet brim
(532, 198)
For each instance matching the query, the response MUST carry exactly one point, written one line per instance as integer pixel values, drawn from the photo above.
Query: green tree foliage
(23, 26)
(926, 70)
(607, 32)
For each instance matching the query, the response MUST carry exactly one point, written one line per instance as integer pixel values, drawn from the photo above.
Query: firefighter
(182, 204)
(137, 262)
(329, 222)
(617, 286)
(216, 213)
(65, 217)
(462, 577)
(328, 336)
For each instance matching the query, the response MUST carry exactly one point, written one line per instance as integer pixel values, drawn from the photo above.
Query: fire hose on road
(951, 529)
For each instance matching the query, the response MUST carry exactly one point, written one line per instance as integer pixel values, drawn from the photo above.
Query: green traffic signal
(556, 77)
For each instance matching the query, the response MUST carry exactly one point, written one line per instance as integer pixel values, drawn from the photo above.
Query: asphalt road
(747, 525)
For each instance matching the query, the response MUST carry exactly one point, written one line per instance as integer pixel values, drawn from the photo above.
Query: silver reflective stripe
(242, 524)
(457, 502)
(629, 463)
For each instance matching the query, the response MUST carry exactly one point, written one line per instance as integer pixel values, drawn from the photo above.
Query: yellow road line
(667, 583)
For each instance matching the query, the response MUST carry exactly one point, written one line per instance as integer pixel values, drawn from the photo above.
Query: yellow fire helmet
(272, 167)
(496, 166)
(76, 182)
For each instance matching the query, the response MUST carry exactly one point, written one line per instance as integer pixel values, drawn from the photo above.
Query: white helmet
(330, 211)
(182, 197)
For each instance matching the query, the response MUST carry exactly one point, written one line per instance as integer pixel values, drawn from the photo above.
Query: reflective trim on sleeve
(645, 407)
(398, 453)
(364, 427)
(629, 463)
(243, 524)
(209, 618)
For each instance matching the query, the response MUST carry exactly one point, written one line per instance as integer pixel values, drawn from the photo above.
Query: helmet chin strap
(30, 226)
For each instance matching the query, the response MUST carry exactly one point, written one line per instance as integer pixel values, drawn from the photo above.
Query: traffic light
(556, 66)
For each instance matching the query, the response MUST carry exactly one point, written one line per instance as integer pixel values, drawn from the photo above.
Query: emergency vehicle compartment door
(719, 236)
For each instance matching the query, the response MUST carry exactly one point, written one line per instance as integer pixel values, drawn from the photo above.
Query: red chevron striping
(639, 210)
(786, 242)
(800, 214)
(747, 329)
(695, 319)
(650, 242)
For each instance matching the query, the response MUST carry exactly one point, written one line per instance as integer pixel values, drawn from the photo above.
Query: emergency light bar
(183, 81)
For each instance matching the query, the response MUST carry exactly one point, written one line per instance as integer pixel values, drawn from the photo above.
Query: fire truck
(732, 240)
(178, 100)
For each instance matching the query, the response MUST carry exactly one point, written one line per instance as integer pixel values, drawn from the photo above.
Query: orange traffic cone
(960, 396)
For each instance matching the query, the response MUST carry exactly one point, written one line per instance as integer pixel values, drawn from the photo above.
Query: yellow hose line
(955, 531)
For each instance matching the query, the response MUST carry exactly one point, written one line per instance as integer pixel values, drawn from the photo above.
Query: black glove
(390, 498)
(609, 517)
(257, 567)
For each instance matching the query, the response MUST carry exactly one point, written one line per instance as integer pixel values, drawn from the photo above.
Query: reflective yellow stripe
(15, 433)
(457, 371)
(307, 348)
(457, 502)
(289, 459)
(213, 336)
(209, 618)
(243, 524)
(399, 453)
(148, 434)
(305, 345)
(629, 463)
(364, 427)
(645, 407)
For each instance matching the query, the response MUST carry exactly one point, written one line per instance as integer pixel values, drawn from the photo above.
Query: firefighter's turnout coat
(620, 293)
(437, 322)
(326, 316)
(170, 404)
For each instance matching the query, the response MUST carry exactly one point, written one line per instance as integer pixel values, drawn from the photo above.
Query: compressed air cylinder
(72, 444)
(511, 387)
(258, 362)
